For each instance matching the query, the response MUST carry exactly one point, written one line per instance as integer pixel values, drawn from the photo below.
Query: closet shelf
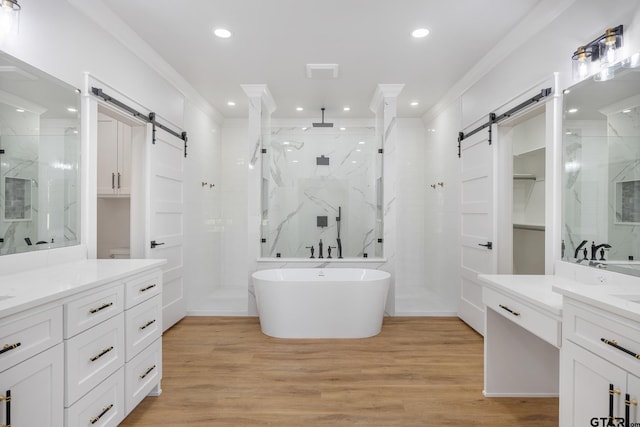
(526, 176)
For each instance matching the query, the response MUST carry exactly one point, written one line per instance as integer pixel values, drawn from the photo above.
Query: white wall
(535, 61)
(61, 40)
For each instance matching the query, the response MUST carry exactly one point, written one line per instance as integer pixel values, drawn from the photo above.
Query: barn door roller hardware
(496, 119)
(151, 118)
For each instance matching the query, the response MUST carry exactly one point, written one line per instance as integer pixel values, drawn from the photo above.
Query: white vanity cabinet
(600, 370)
(143, 320)
(80, 344)
(114, 157)
(32, 369)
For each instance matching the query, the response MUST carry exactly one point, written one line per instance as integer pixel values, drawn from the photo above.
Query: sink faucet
(320, 249)
(312, 250)
(584, 242)
(594, 250)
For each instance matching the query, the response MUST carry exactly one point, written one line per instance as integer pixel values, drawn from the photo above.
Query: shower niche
(321, 184)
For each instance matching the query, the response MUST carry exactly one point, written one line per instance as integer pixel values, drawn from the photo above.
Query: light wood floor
(420, 371)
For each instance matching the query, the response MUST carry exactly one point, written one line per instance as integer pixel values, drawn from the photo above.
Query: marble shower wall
(623, 131)
(39, 174)
(298, 188)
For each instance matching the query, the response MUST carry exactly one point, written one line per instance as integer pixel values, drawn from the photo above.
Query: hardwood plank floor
(420, 371)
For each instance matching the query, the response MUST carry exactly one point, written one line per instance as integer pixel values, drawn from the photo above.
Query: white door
(165, 226)
(476, 225)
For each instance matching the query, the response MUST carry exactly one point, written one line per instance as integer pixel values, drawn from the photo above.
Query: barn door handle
(488, 245)
(154, 244)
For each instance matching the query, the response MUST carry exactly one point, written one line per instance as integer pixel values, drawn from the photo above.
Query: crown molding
(260, 91)
(106, 19)
(384, 91)
(543, 14)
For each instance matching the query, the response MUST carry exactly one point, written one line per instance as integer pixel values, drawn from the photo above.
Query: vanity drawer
(143, 373)
(101, 407)
(92, 308)
(142, 288)
(538, 323)
(92, 356)
(143, 325)
(24, 336)
(588, 326)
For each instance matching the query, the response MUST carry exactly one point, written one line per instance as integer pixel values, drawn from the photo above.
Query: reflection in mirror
(601, 178)
(39, 159)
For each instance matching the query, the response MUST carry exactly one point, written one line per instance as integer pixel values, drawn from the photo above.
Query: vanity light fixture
(602, 53)
(9, 16)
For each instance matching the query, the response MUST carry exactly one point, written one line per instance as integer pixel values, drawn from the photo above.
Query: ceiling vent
(322, 71)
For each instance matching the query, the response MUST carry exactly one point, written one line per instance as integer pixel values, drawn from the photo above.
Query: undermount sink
(628, 297)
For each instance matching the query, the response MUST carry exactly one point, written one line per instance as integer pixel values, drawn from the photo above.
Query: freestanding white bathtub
(321, 302)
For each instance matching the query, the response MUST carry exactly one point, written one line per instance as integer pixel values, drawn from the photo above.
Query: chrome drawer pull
(105, 351)
(148, 372)
(102, 307)
(106, 409)
(504, 307)
(148, 287)
(614, 344)
(9, 347)
(149, 323)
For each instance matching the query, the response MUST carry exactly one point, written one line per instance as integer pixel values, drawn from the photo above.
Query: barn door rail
(150, 118)
(493, 118)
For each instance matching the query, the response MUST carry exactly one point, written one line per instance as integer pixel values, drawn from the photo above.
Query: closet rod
(151, 118)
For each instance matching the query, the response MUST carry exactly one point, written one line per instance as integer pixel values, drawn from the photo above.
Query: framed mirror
(601, 177)
(39, 159)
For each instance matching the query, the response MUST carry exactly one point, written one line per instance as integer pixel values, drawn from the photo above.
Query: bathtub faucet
(320, 249)
(339, 248)
(312, 250)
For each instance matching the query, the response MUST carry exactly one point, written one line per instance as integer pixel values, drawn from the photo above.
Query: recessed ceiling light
(361, 142)
(347, 108)
(305, 128)
(285, 143)
(343, 128)
(354, 161)
(72, 110)
(294, 161)
(626, 111)
(19, 110)
(359, 150)
(231, 104)
(414, 103)
(420, 33)
(572, 110)
(299, 109)
(223, 33)
(566, 91)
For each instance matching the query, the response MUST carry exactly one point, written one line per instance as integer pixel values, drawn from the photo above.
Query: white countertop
(536, 290)
(43, 285)
(616, 298)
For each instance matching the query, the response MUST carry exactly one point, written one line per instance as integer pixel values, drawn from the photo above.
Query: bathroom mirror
(39, 159)
(601, 177)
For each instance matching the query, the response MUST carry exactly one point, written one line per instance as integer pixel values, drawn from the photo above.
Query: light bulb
(608, 49)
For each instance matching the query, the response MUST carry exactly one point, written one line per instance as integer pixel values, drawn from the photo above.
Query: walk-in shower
(322, 183)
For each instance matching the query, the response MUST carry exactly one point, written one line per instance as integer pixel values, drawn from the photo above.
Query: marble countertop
(620, 299)
(43, 285)
(536, 290)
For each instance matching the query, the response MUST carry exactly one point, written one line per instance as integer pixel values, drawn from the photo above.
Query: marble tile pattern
(50, 163)
(623, 131)
(296, 190)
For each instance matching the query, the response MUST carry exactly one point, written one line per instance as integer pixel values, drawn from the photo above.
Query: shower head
(322, 124)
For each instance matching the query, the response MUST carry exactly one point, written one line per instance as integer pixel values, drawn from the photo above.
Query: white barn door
(165, 228)
(476, 225)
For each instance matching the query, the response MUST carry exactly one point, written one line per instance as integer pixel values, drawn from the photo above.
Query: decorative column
(261, 105)
(384, 105)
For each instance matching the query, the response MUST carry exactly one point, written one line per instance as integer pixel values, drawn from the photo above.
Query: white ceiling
(273, 40)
